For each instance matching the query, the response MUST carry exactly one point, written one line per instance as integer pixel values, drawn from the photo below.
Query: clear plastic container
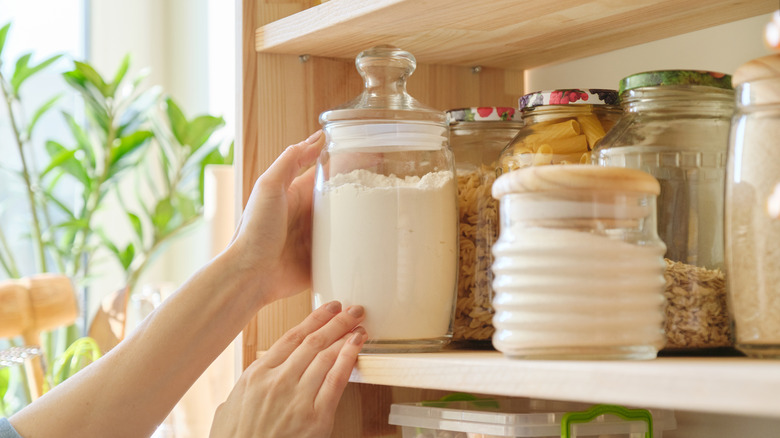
(477, 136)
(753, 209)
(578, 264)
(560, 127)
(675, 126)
(492, 418)
(385, 225)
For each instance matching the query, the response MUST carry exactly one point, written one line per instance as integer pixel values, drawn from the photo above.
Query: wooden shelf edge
(506, 34)
(736, 386)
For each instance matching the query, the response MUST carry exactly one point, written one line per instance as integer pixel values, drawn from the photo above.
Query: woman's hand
(294, 388)
(274, 236)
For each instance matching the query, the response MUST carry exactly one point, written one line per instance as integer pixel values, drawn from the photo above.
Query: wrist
(241, 278)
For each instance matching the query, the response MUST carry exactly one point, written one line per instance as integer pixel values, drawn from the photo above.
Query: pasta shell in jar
(561, 127)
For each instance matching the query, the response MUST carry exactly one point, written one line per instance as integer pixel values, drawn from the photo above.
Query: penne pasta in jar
(561, 127)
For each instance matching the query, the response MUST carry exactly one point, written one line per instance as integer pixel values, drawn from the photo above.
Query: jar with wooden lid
(560, 127)
(753, 209)
(675, 126)
(579, 265)
(477, 136)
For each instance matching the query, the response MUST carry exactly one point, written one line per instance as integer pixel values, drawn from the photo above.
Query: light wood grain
(721, 385)
(502, 33)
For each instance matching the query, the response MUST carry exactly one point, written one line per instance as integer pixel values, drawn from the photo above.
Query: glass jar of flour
(385, 210)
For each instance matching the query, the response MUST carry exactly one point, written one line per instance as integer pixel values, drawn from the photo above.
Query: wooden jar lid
(584, 177)
(766, 67)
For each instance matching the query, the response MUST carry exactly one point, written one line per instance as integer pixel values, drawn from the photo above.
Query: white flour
(389, 244)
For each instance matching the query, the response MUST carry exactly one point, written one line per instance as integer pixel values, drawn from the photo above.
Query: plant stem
(10, 264)
(135, 274)
(27, 178)
(92, 203)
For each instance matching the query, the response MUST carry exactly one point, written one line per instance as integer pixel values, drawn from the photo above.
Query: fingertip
(356, 311)
(333, 307)
(314, 137)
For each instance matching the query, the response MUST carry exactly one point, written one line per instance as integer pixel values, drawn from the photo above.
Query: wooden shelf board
(507, 34)
(738, 386)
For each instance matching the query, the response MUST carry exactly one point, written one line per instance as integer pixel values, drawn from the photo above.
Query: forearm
(131, 390)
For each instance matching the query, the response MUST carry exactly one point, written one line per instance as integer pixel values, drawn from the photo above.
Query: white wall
(721, 48)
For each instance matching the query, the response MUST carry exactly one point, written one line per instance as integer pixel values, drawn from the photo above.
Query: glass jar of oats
(752, 219)
(560, 127)
(675, 126)
(477, 136)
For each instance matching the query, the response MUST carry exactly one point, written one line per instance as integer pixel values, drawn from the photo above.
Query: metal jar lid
(481, 114)
(661, 78)
(570, 96)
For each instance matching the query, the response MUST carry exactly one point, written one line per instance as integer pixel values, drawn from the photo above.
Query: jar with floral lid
(753, 209)
(385, 225)
(477, 136)
(579, 265)
(675, 126)
(560, 127)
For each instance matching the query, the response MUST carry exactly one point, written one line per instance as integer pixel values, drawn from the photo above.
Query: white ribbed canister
(578, 269)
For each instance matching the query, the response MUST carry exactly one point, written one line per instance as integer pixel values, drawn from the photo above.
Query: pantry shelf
(732, 385)
(507, 33)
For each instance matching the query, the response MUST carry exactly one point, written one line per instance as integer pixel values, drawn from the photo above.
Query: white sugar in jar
(579, 270)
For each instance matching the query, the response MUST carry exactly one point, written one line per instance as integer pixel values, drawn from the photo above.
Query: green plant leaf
(70, 164)
(187, 206)
(163, 213)
(126, 257)
(5, 372)
(3, 35)
(53, 199)
(201, 129)
(178, 122)
(23, 71)
(81, 137)
(93, 77)
(136, 112)
(127, 145)
(40, 112)
(58, 160)
(135, 221)
(120, 74)
(108, 243)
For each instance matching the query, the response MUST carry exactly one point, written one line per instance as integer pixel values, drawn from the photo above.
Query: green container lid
(675, 77)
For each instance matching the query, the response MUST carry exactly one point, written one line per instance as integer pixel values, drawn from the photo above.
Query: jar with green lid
(560, 127)
(477, 136)
(675, 126)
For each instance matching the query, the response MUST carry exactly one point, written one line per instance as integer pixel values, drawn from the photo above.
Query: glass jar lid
(675, 77)
(385, 70)
(570, 96)
(582, 178)
(481, 114)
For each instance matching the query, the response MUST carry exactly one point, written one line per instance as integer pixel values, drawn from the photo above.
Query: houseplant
(129, 133)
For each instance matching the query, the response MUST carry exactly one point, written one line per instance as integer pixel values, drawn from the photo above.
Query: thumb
(293, 160)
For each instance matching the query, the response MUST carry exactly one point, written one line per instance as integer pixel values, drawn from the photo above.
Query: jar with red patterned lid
(560, 127)
(477, 136)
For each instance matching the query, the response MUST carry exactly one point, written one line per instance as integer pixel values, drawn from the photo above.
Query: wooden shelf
(507, 34)
(736, 385)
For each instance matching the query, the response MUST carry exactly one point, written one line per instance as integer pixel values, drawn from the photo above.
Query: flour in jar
(390, 245)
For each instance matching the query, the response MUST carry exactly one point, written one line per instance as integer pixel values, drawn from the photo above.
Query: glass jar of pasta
(579, 265)
(477, 136)
(561, 127)
(676, 126)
